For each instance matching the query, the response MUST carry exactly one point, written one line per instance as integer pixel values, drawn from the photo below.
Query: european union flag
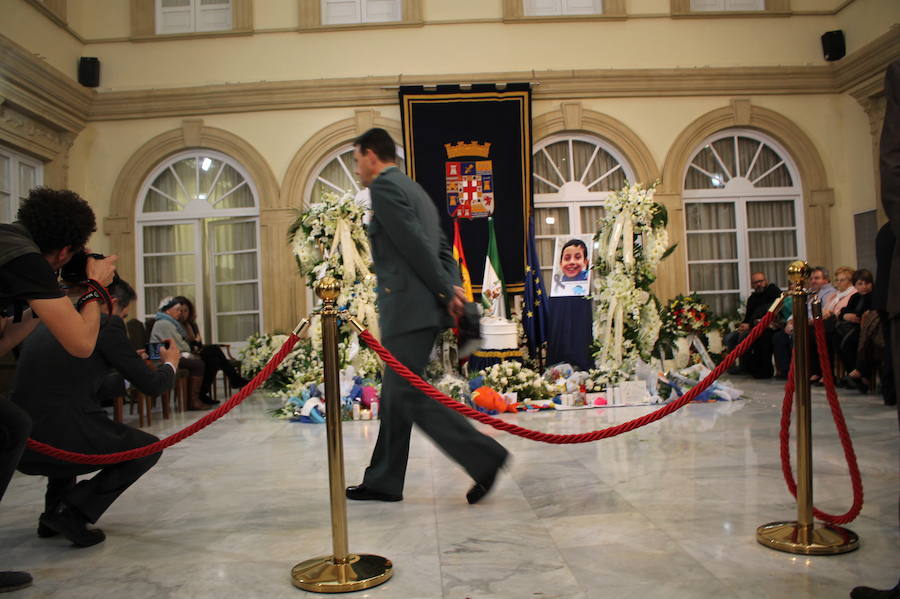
(536, 314)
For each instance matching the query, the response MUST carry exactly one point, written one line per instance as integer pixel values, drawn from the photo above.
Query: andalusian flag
(460, 258)
(493, 294)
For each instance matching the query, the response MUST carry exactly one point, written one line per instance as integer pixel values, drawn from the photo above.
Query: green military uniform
(416, 274)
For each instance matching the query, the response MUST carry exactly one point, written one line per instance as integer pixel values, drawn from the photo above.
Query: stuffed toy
(487, 398)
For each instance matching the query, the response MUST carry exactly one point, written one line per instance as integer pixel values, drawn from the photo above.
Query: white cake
(498, 333)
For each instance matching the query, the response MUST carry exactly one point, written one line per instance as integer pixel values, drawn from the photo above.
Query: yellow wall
(31, 29)
(836, 124)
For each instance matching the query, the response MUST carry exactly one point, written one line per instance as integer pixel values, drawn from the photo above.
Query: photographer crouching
(61, 394)
(51, 227)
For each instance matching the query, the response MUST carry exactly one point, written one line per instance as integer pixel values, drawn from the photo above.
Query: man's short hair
(122, 291)
(379, 141)
(57, 218)
(823, 270)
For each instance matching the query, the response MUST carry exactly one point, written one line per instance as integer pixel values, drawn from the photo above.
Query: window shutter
(379, 11)
(582, 7)
(338, 12)
(704, 5)
(174, 16)
(213, 15)
(540, 8)
(745, 4)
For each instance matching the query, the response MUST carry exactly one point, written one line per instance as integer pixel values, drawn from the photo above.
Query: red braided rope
(839, 423)
(206, 420)
(417, 382)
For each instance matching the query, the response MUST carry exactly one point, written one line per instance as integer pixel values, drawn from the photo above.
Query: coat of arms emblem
(470, 180)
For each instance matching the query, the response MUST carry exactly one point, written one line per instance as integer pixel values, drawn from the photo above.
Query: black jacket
(60, 391)
(759, 303)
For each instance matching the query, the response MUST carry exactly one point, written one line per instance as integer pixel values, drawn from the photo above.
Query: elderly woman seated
(849, 334)
(202, 361)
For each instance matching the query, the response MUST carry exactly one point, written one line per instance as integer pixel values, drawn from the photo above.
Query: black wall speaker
(89, 71)
(833, 46)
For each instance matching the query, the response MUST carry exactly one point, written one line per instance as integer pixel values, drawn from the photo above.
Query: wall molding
(32, 84)
(859, 74)
(42, 91)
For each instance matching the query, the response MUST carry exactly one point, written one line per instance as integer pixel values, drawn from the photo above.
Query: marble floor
(667, 511)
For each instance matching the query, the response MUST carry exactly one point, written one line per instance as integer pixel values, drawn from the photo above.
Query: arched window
(573, 175)
(198, 236)
(336, 173)
(743, 214)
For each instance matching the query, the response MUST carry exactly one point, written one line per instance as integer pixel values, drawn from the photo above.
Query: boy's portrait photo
(571, 271)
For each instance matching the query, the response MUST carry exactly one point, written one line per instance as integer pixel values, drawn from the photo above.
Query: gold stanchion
(803, 536)
(342, 571)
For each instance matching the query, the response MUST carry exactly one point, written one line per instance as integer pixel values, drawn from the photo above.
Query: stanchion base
(322, 575)
(825, 539)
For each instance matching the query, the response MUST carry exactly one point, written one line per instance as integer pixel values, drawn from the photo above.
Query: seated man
(60, 393)
(820, 287)
(758, 360)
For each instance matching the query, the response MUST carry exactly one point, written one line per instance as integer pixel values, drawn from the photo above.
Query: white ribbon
(619, 326)
(615, 237)
(628, 241)
(607, 328)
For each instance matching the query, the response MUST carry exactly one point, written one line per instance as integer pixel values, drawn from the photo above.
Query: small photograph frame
(572, 266)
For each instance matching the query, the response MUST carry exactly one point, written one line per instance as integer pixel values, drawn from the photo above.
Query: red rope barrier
(206, 420)
(839, 422)
(417, 382)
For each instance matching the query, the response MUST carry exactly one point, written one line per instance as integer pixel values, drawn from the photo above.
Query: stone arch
(323, 143)
(571, 116)
(276, 258)
(817, 196)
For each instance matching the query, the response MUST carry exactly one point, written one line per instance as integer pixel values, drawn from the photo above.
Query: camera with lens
(75, 270)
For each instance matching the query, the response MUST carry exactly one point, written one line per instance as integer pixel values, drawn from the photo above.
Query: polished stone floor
(666, 511)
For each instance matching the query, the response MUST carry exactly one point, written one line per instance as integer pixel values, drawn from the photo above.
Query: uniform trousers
(402, 406)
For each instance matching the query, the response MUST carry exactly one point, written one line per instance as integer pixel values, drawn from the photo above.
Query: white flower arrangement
(511, 376)
(626, 317)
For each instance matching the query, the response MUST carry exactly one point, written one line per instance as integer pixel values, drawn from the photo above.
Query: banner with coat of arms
(471, 151)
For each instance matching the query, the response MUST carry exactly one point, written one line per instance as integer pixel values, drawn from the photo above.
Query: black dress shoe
(13, 581)
(363, 493)
(72, 525)
(483, 487)
(44, 531)
(870, 593)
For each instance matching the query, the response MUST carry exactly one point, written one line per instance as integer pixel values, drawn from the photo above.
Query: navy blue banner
(471, 151)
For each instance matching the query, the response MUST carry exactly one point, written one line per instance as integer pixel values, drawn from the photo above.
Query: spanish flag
(460, 258)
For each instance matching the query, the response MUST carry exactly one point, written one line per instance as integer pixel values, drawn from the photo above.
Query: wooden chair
(139, 335)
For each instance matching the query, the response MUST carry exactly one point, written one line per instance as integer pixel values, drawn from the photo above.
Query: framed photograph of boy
(571, 267)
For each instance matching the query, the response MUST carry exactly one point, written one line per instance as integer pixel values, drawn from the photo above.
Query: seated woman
(847, 329)
(213, 357)
(843, 281)
(168, 325)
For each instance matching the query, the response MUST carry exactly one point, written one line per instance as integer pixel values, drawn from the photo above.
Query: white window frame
(740, 194)
(728, 5)
(361, 12)
(194, 213)
(14, 183)
(576, 199)
(195, 12)
(549, 8)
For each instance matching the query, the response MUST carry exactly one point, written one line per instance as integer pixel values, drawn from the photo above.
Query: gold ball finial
(798, 271)
(328, 289)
